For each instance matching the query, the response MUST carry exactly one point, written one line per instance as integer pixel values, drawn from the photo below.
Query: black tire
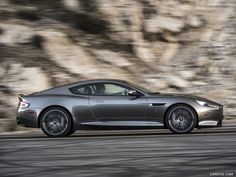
(181, 118)
(56, 122)
(70, 132)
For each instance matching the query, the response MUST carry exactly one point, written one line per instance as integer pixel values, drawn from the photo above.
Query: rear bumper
(28, 117)
(25, 122)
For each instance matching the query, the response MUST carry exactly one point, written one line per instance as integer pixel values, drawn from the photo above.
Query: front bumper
(210, 117)
(28, 117)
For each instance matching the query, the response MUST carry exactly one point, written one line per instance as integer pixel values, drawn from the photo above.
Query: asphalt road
(134, 153)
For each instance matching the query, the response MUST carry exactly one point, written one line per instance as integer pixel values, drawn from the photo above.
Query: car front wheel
(181, 119)
(55, 122)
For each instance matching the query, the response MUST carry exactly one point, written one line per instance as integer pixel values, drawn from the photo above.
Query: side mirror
(133, 93)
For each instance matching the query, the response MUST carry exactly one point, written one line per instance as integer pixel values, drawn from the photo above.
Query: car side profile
(114, 104)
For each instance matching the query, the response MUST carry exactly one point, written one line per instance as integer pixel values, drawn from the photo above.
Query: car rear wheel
(56, 122)
(181, 119)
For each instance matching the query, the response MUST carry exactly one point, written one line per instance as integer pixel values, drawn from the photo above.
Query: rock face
(171, 46)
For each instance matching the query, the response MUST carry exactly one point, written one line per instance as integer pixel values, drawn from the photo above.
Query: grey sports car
(114, 104)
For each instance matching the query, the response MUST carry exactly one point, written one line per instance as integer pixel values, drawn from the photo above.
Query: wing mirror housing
(133, 93)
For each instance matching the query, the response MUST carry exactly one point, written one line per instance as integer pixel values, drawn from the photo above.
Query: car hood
(188, 96)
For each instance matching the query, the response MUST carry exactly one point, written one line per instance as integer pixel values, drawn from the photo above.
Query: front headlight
(204, 103)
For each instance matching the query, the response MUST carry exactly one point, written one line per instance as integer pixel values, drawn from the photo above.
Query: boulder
(68, 55)
(111, 57)
(160, 23)
(71, 4)
(177, 82)
(194, 21)
(25, 79)
(187, 74)
(13, 34)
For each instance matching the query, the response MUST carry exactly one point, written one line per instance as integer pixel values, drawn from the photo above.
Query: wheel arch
(55, 106)
(175, 104)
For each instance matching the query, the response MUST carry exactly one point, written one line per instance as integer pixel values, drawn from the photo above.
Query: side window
(110, 89)
(83, 90)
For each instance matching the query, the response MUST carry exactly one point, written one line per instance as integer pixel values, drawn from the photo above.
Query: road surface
(112, 154)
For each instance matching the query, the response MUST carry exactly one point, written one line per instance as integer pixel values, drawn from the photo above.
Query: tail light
(23, 103)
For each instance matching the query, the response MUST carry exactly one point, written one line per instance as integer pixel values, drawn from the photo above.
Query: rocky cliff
(185, 46)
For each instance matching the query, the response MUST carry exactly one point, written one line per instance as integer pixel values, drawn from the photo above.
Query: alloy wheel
(55, 122)
(181, 119)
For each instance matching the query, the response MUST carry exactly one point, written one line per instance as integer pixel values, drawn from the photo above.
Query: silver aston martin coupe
(114, 104)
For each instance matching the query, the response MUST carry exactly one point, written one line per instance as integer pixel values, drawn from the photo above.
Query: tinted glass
(83, 90)
(110, 89)
(100, 89)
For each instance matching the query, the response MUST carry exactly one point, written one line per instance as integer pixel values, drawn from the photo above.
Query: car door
(111, 102)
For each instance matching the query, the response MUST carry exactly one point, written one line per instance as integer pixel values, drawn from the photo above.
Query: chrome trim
(154, 123)
(208, 123)
(123, 123)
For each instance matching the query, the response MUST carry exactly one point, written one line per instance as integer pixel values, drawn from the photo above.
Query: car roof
(91, 81)
(63, 89)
